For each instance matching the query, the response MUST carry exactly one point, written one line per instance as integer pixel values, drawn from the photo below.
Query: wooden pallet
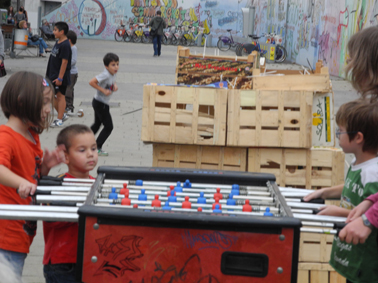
(318, 273)
(315, 247)
(199, 157)
(269, 118)
(302, 168)
(184, 115)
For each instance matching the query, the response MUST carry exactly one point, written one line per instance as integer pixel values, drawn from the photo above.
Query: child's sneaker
(65, 117)
(56, 123)
(102, 153)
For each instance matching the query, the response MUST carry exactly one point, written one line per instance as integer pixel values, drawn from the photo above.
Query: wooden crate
(199, 157)
(302, 168)
(174, 114)
(318, 273)
(269, 118)
(319, 81)
(314, 247)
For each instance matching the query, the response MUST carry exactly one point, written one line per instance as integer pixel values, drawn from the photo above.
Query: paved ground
(137, 67)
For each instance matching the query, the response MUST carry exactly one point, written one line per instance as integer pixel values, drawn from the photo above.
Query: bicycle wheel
(137, 39)
(280, 55)
(164, 40)
(144, 39)
(223, 46)
(184, 41)
(127, 38)
(117, 35)
(238, 49)
(174, 41)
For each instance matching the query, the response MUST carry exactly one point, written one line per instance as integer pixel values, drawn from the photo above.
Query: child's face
(46, 108)
(58, 33)
(344, 142)
(82, 156)
(113, 67)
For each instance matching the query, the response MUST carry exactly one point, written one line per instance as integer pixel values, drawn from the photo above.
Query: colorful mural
(311, 29)
(99, 19)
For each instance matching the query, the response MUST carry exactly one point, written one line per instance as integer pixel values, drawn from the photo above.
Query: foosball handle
(62, 203)
(50, 181)
(315, 200)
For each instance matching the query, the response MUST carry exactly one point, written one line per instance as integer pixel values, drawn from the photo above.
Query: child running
(26, 102)
(72, 38)
(61, 237)
(105, 85)
(356, 121)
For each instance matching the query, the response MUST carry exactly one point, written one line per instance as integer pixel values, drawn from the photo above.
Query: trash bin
(209, 40)
(21, 39)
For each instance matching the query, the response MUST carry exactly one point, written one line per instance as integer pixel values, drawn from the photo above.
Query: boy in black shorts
(58, 70)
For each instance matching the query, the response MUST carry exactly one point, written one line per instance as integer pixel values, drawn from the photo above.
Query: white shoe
(56, 123)
(65, 117)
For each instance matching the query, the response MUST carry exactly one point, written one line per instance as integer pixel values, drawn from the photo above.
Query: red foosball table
(141, 241)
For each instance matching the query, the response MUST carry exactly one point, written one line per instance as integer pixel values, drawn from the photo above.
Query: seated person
(47, 30)
(42, 44)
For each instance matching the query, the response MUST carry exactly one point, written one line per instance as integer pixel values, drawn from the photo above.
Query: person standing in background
(25, 13)
(10, 18)
(157, 25)
(19, 16)
(72, 38)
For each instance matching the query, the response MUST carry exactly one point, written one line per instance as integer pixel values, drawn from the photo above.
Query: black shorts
(61, 88)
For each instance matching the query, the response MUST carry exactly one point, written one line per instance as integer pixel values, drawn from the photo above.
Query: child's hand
(314, 195)
(57, 82)
(108, 92)
(115, 87)
(26, 188)
(359, 210)
(52, 158)
(331, 210)
(355, 232)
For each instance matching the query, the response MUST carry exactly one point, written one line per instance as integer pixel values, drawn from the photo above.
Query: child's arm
(62, 70)
(325, 193)
(355, 232)
(10, 179)
(115, 87)
(94, 83)
(333, 210)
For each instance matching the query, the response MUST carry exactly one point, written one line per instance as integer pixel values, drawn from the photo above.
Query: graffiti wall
(98, 19)
(316, 29)
(311, 29)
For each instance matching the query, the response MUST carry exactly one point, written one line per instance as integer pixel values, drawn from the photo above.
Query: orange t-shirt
(23, 158)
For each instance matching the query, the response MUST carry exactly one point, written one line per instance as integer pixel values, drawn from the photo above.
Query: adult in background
(157, 25)
(47, 30)
(25, 13)
(19, 16)
(40, 42)
(10, 18)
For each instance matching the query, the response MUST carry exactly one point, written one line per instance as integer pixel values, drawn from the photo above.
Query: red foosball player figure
(156, 202)
(124, 190)
(216, 203)
(247, 207)
(186, 204)
(218, 194)
(126, 200)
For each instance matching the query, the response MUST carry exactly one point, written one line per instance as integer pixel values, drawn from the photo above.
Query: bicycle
(246, 49)
(120, 33)
(167, 36)
(140, 35)
(178, 36)
(190, 39)
(225, 42)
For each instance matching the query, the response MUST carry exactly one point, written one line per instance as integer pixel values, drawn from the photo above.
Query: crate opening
(248, 108)
(162, 123)
(188, 107)
(271, 165)
(269, 128)
(207, 109)
(268, 108)
(314, 168)
(180, 106)
(292, 109)
(248, 128)
(162, 105)
(292, 168)
(183, 125)
(291, 129)
(161, 92)
(294, 121)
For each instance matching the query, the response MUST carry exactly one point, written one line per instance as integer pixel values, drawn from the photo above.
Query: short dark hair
(71, 35)
(360, 115)
(62, 26)
(66, 135)
(22, 97)
(158, 13)
(110, 57)
(21, 9)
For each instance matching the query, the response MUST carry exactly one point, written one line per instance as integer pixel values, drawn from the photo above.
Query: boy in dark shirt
(58, 70)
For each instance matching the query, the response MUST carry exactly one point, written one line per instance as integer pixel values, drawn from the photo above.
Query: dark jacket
(155, 22)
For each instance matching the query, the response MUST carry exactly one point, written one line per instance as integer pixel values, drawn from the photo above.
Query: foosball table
(141, 224)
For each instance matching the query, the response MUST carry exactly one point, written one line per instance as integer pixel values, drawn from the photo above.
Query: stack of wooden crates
(273, 121)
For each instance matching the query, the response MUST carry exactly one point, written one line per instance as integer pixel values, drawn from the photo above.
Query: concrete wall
(312, 29)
